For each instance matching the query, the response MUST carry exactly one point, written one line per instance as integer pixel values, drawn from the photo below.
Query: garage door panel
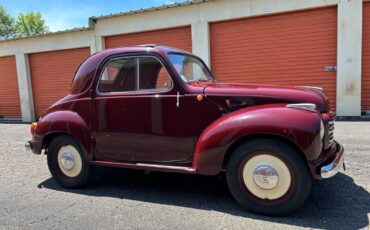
(9, 93)
(52, 74)
(285, 49)
(365, 91)
(176, 37)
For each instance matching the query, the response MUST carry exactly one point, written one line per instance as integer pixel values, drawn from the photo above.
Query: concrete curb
(352, 118)
(11, 121)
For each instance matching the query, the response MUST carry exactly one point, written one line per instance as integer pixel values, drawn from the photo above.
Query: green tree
(29, 24)
(7, 24)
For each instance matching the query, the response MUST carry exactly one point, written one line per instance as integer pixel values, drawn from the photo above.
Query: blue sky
(68, 14)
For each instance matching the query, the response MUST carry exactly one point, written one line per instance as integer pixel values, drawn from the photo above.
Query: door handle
(330, 68)
(178, 99)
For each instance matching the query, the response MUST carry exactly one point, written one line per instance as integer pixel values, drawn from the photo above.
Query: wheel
(66, 162)
(268, 177)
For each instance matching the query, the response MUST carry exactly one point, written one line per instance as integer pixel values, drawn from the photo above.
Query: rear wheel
(66, 162)
(268, 177)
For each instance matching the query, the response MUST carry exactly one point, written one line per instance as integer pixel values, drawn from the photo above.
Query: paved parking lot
(129, 199)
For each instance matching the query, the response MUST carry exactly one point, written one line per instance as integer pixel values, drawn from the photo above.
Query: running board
(145, 166)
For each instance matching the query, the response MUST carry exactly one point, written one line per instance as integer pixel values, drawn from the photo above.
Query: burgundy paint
(121, 129)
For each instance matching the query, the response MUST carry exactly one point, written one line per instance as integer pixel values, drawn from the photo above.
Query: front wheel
(268, 177)
(66, 162)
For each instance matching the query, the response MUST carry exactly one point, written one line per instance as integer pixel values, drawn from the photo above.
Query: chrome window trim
(137, 74)
(138, 91)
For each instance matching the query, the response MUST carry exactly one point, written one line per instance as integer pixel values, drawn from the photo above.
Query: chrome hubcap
(67, 161)
(266, 177)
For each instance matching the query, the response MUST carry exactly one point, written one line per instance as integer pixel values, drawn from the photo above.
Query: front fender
(66, 122)
(300, 127)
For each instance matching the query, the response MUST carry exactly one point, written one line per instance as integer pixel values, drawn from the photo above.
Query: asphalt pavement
(132, 199)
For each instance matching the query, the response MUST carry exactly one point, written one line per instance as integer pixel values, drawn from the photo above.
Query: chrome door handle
(178, 99)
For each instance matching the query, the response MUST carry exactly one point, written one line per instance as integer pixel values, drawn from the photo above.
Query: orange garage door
(366, 59)
(52, 74)
(9, 94)
(176, 37)
(289, 49)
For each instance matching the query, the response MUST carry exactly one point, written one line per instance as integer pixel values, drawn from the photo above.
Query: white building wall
(25, 87)
(349, 54)
(200, 41)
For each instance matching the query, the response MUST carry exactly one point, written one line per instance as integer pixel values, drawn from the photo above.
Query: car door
(139, 114)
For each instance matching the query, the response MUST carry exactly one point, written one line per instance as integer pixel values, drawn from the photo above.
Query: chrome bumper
(333, 167)
(28, 145)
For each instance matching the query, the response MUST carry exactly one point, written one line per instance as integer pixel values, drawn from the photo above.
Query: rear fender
(64, 122)
(300, 127)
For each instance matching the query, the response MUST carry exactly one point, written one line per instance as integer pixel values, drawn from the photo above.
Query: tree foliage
(27, 24)
(30, 24)
(7, 24)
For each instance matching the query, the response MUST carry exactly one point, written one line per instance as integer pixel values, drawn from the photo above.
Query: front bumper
(332, 168)
(33, 146)
(28, 145)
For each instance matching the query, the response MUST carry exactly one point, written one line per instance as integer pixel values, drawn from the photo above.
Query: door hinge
(92, 140)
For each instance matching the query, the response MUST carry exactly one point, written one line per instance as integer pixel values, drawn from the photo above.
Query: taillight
(33, 126)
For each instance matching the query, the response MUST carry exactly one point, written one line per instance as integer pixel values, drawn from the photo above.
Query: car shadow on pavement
(336, 203)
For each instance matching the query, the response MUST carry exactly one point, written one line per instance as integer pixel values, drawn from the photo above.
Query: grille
(330, 132)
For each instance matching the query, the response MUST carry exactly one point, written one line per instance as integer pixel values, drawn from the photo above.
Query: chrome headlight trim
(304, 106)
(322, 129)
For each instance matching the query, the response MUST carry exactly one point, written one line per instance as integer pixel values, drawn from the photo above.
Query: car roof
(146, 48)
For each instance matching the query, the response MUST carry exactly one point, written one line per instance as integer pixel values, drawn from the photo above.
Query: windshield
(189, 68)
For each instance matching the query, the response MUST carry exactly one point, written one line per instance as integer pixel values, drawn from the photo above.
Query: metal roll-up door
(296, 48)
(52, 73)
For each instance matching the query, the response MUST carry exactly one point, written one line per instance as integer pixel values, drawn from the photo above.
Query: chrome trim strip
(179, 168)
(137, 74)
(312, 88)
(146, 166)
(304, 106)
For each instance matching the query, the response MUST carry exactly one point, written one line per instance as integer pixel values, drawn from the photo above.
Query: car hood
(265, 94)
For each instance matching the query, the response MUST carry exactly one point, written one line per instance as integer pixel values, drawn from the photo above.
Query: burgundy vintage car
(159, 108)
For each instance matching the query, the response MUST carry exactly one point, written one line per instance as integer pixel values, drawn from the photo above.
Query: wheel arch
(50, 136)
(257, 136)
(64, 123)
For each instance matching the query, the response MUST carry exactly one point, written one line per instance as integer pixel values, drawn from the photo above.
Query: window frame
(137, 91)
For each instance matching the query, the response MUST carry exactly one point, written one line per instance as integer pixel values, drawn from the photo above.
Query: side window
(134, 74)
(153, 76)
(163, 80)
(119, 76)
